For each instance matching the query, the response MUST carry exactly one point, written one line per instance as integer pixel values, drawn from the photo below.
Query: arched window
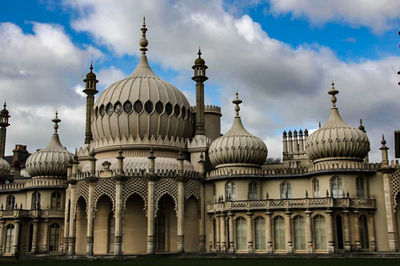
(339, 232)
(315, 184)
(319, 232)
(279, 233)
(214, 191)
(259, 230)
(10, 203)
(9, 239)
(252, 194)
(360, 187)
(230, 191)
(286, 191)
(299, 235)
(35, 200)
(241, 234)
(363, 227)
(55, 200)
(54, 242)
(336, 187)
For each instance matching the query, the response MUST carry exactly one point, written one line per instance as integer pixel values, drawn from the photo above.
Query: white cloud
(378, 15)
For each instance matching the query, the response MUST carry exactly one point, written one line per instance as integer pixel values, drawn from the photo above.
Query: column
(309, 236)
(222, 224)
(118, 218)
(71, 241)
(16, 238)
(356, 231)
(250, 243)
(46, 236)
(150, 216)
(268, 231)
(2, 228)
(211, 232)
(391, 231)
(218, 234)
(66, 221)
(34, 236)
(346, 225)
(331, 241)
(288, 231)
(202, 236)
(231, 248)
(180, 216)
(371, 232)
(89, 229)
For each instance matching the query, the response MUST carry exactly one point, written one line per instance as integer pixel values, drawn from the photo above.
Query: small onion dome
(237, 147)
(199, 61)
(4, 168)
(336, 140)
(51, 161)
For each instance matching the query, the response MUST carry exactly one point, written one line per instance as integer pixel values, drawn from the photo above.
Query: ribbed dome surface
(337, 140)
(4, 168)
(237, 147)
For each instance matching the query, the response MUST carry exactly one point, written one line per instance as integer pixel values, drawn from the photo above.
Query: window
(315, 184)
(241, 233)
(259, 230)
(339, 232)
(183, 112)
(10, 203)
(159, 107)
(127, 107)
(109, 109)
(336, 187)
(118, 108)
(252, 194)
(168, 108)
(286, 191)
(279, 233)
(360, 187)
(299, 235)
(54, 237)
(177, 110)
(230, 191)
(148, 106)
(319, 233)
(56, 200)
(138, 106)
(35, 200)
(102, 110)
(9, 238)
(214, 234)
(214, 191)
(363, 227)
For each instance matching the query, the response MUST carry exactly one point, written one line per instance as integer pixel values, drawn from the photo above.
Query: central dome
(140, 107)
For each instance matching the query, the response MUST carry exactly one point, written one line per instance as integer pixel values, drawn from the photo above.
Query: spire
(333, 93)
(143, 42)
(236, 102)
(56, 120)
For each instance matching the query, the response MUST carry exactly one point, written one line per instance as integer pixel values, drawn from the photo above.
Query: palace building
(155, 175)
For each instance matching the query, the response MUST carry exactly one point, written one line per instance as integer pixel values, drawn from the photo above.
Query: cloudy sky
(281, 55)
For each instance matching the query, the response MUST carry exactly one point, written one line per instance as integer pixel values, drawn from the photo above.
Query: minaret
(90, 91)
(199, 69)
(3, 129)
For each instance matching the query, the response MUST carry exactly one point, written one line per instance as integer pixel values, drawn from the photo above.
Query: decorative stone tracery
(165, 186)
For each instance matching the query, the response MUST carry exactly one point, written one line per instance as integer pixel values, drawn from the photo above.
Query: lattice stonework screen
(192, 188)
(104, 186)
(395, 184)
(82, 190)
(166, 186)
(135, 186)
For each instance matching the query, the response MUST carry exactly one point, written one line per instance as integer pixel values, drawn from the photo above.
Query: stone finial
(284, 134)
(56, 120)
(361, 126)
(383, 142)
(237, 102)
(306, 194)
(306, 132)
(333, 93)
(143, 41)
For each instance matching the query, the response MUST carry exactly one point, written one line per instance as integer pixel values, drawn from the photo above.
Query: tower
(90, 91)
(199, 69)
(4, 116)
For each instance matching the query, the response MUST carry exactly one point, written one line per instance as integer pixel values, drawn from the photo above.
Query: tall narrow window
(286, 191)
(10, 203)
(259, 230)
(55, 200)
(299, 235)
(54, 241)
(336, 187)
(279, 233)
(319, 232)
(214, 234)
(9, 238)
(241, 234)
(339, 232)
(363, 227)
(252, 194)
(360, 187)
(35, 200)
(230, 191)
(315, 184)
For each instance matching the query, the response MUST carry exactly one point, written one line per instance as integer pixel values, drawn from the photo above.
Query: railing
(305, 203)
(20, 213)
(33, 183)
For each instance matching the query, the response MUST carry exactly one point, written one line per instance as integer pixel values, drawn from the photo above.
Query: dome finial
(143, 42)
(91, 66)
(361, 126)
(5, 105)
(199, 53)
(56, 120)
(333, 92)
(237, 101)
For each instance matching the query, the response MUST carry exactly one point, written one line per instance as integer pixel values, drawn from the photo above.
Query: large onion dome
(51, 161)
(237, 147)
(141, 106)
(336, 140)
(4, 168)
